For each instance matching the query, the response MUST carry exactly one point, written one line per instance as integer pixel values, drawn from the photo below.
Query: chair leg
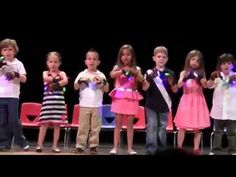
(65, 138)
(174, 138)
(202, 141)
(12, 141)
(211, 141)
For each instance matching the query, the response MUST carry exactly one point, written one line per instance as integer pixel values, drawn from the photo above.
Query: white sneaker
(211, 153)
(113, 151)
(132, 152)
(26, 148)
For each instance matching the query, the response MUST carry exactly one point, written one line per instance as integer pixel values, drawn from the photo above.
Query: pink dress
(192, 112)
(125, 96)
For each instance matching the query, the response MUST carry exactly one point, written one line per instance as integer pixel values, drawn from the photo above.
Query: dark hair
(225, 58)
(130, 48)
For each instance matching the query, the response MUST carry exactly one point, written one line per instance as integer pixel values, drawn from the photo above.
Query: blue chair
(108, 117)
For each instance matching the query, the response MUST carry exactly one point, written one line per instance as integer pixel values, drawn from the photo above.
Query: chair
(75, 121)
(29, 114)
(170, 128)
(108, 117)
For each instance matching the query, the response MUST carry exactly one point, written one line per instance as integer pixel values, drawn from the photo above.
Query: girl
(53, 110)
(192, 112)
(125, 96)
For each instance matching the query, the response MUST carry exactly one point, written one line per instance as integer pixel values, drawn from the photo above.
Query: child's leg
(218, 133)
(118, 126)
(14, 123)
(83, 129)
(56, 135)
(231, 135)
(95, 127)
(130, 132)
(197, 139)
(180, 137)
(161, 130)
(42, 133)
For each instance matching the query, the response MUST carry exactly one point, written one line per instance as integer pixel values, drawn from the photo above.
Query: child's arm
(64, 79)
(181, 78)
(146, 85)
(47, 78)
(210, 82)
(116, 72)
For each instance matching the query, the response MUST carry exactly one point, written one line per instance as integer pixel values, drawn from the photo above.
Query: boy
(159, 82)
(12, 73)
(91, 83)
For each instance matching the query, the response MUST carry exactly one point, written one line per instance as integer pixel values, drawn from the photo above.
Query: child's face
(194, 62)
(53, 62)
(92, 61)
(226, 67)
(8, 52)
(126, 57)
(160, 58)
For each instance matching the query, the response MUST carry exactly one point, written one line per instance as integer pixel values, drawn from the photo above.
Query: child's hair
(54, 53)
(192, 54)
(130, 48)
(94, 51)
(9, 42)
(225, 58)
(160, 49)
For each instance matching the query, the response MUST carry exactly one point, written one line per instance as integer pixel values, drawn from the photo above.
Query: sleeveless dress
(125, 96)
(53, 109)
(192, 112)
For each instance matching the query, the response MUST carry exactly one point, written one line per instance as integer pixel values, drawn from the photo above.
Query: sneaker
(39, 149)
(211, 153)
(78, 150)
(113, 151)
(93, 150)
(132, 152)
(26, 148)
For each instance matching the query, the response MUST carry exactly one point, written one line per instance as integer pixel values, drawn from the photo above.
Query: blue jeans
(11, 125)
(156, 131)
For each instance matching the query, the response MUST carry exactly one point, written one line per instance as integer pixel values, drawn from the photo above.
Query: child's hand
(83, 80)
(214, 75)
(232, 78)
(97, 80)
(2, 63)
(11, 75)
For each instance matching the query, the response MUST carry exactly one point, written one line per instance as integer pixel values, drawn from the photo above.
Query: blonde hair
(160, 49)
(9, 42)
(54, 53)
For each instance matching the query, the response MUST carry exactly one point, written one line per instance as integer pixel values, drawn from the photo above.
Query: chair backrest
(139, 120)
(75, 116)
(170, 126)
(30, 112)
(108, 117)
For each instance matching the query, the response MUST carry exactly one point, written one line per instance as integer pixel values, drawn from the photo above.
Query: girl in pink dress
(125, 96)
(192, 113)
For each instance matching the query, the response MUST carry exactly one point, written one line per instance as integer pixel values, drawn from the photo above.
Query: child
(125, 94)
(53, 111)
(224, 99)
(12, 73)
(91, 83)
(159, 84)
(192, 113)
